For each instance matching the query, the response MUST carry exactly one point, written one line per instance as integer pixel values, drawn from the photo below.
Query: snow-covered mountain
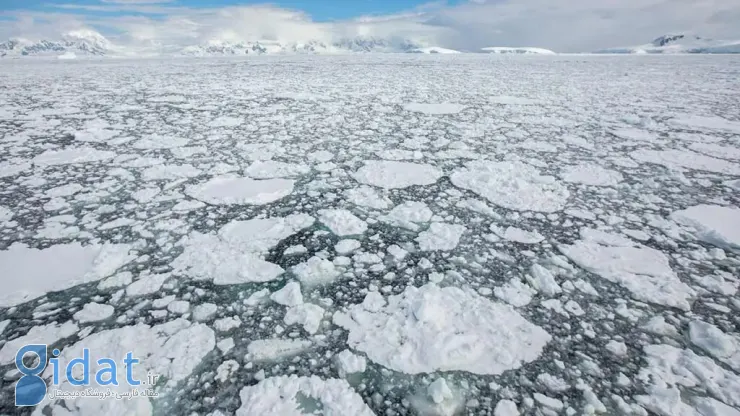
(90, 43)
(521, 51)
(80, 42)
(222, 48)
(435, 50)
(680, 43)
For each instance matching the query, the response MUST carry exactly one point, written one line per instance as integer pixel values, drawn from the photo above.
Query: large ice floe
(172, 350)
(30, 273)
(591, 174)
(644, 271)
(431, 329)
(391, 174)
(677, 159)
(712, 224)
(512, 185)
(669, 370)
(232, 190)
(72, 156)
(295, 396)
(235, 253)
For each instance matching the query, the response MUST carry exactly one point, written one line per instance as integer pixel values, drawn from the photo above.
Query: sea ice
(172, 350)
(642, 270)
(316, 271)
(93, 312)
(712, 224)
(287, 395)
(409, 215)
(434, 109)
(72, 156)
(512, 185)
(32, 273)
(342, 222)
(429, 329)
(591, 174)
(234, 254)
(229, 190)
(391, 174)
(273, 169)
(366, 196)
(46, 334)
(275, 348)
(440, 236)
(676, 159)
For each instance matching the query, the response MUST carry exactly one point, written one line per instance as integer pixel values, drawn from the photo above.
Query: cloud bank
(565, 26)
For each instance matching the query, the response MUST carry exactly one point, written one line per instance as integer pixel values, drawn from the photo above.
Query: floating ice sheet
(512, 185)
(288, 396)
(429, 329)
(31, 273)
(235, 190)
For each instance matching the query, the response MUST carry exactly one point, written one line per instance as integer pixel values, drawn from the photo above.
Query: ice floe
(724, 347)
(233, 255)
(342, 222)
(287, 395)
(32, 272)
(235, 190)
(676, 159)
(703, 122)
(72, 155)
(431, 329)
(591, 174)
(517, 234)
(712, 224)
(316, 271)
(289, 295)
(440, 236)
(669, 369)
(276, 348)
(391, 174)
(93, 312)
(172, 350)
(273, 169)
(644, 271)
(43, 334)
(307, 315)
(434, 109)
(156, 141)
(366, 196)
(349, 363)
(409, 215)
(512, 185)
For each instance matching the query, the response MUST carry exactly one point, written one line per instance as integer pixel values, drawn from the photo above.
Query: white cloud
(567, 26)
(582, 25)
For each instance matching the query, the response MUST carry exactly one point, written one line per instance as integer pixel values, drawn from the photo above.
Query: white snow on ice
(512, 185)
(712, 224)
(644, 271)
(431, 329)
(391, 174)
(286, 395)
(31, 273)
(233, 255)
(231, 190)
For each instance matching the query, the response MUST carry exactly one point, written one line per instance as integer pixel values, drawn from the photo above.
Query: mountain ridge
(677, 43)
(92, 44)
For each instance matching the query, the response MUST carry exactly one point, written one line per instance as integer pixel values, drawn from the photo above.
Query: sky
(563, 26)
(320, 11)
